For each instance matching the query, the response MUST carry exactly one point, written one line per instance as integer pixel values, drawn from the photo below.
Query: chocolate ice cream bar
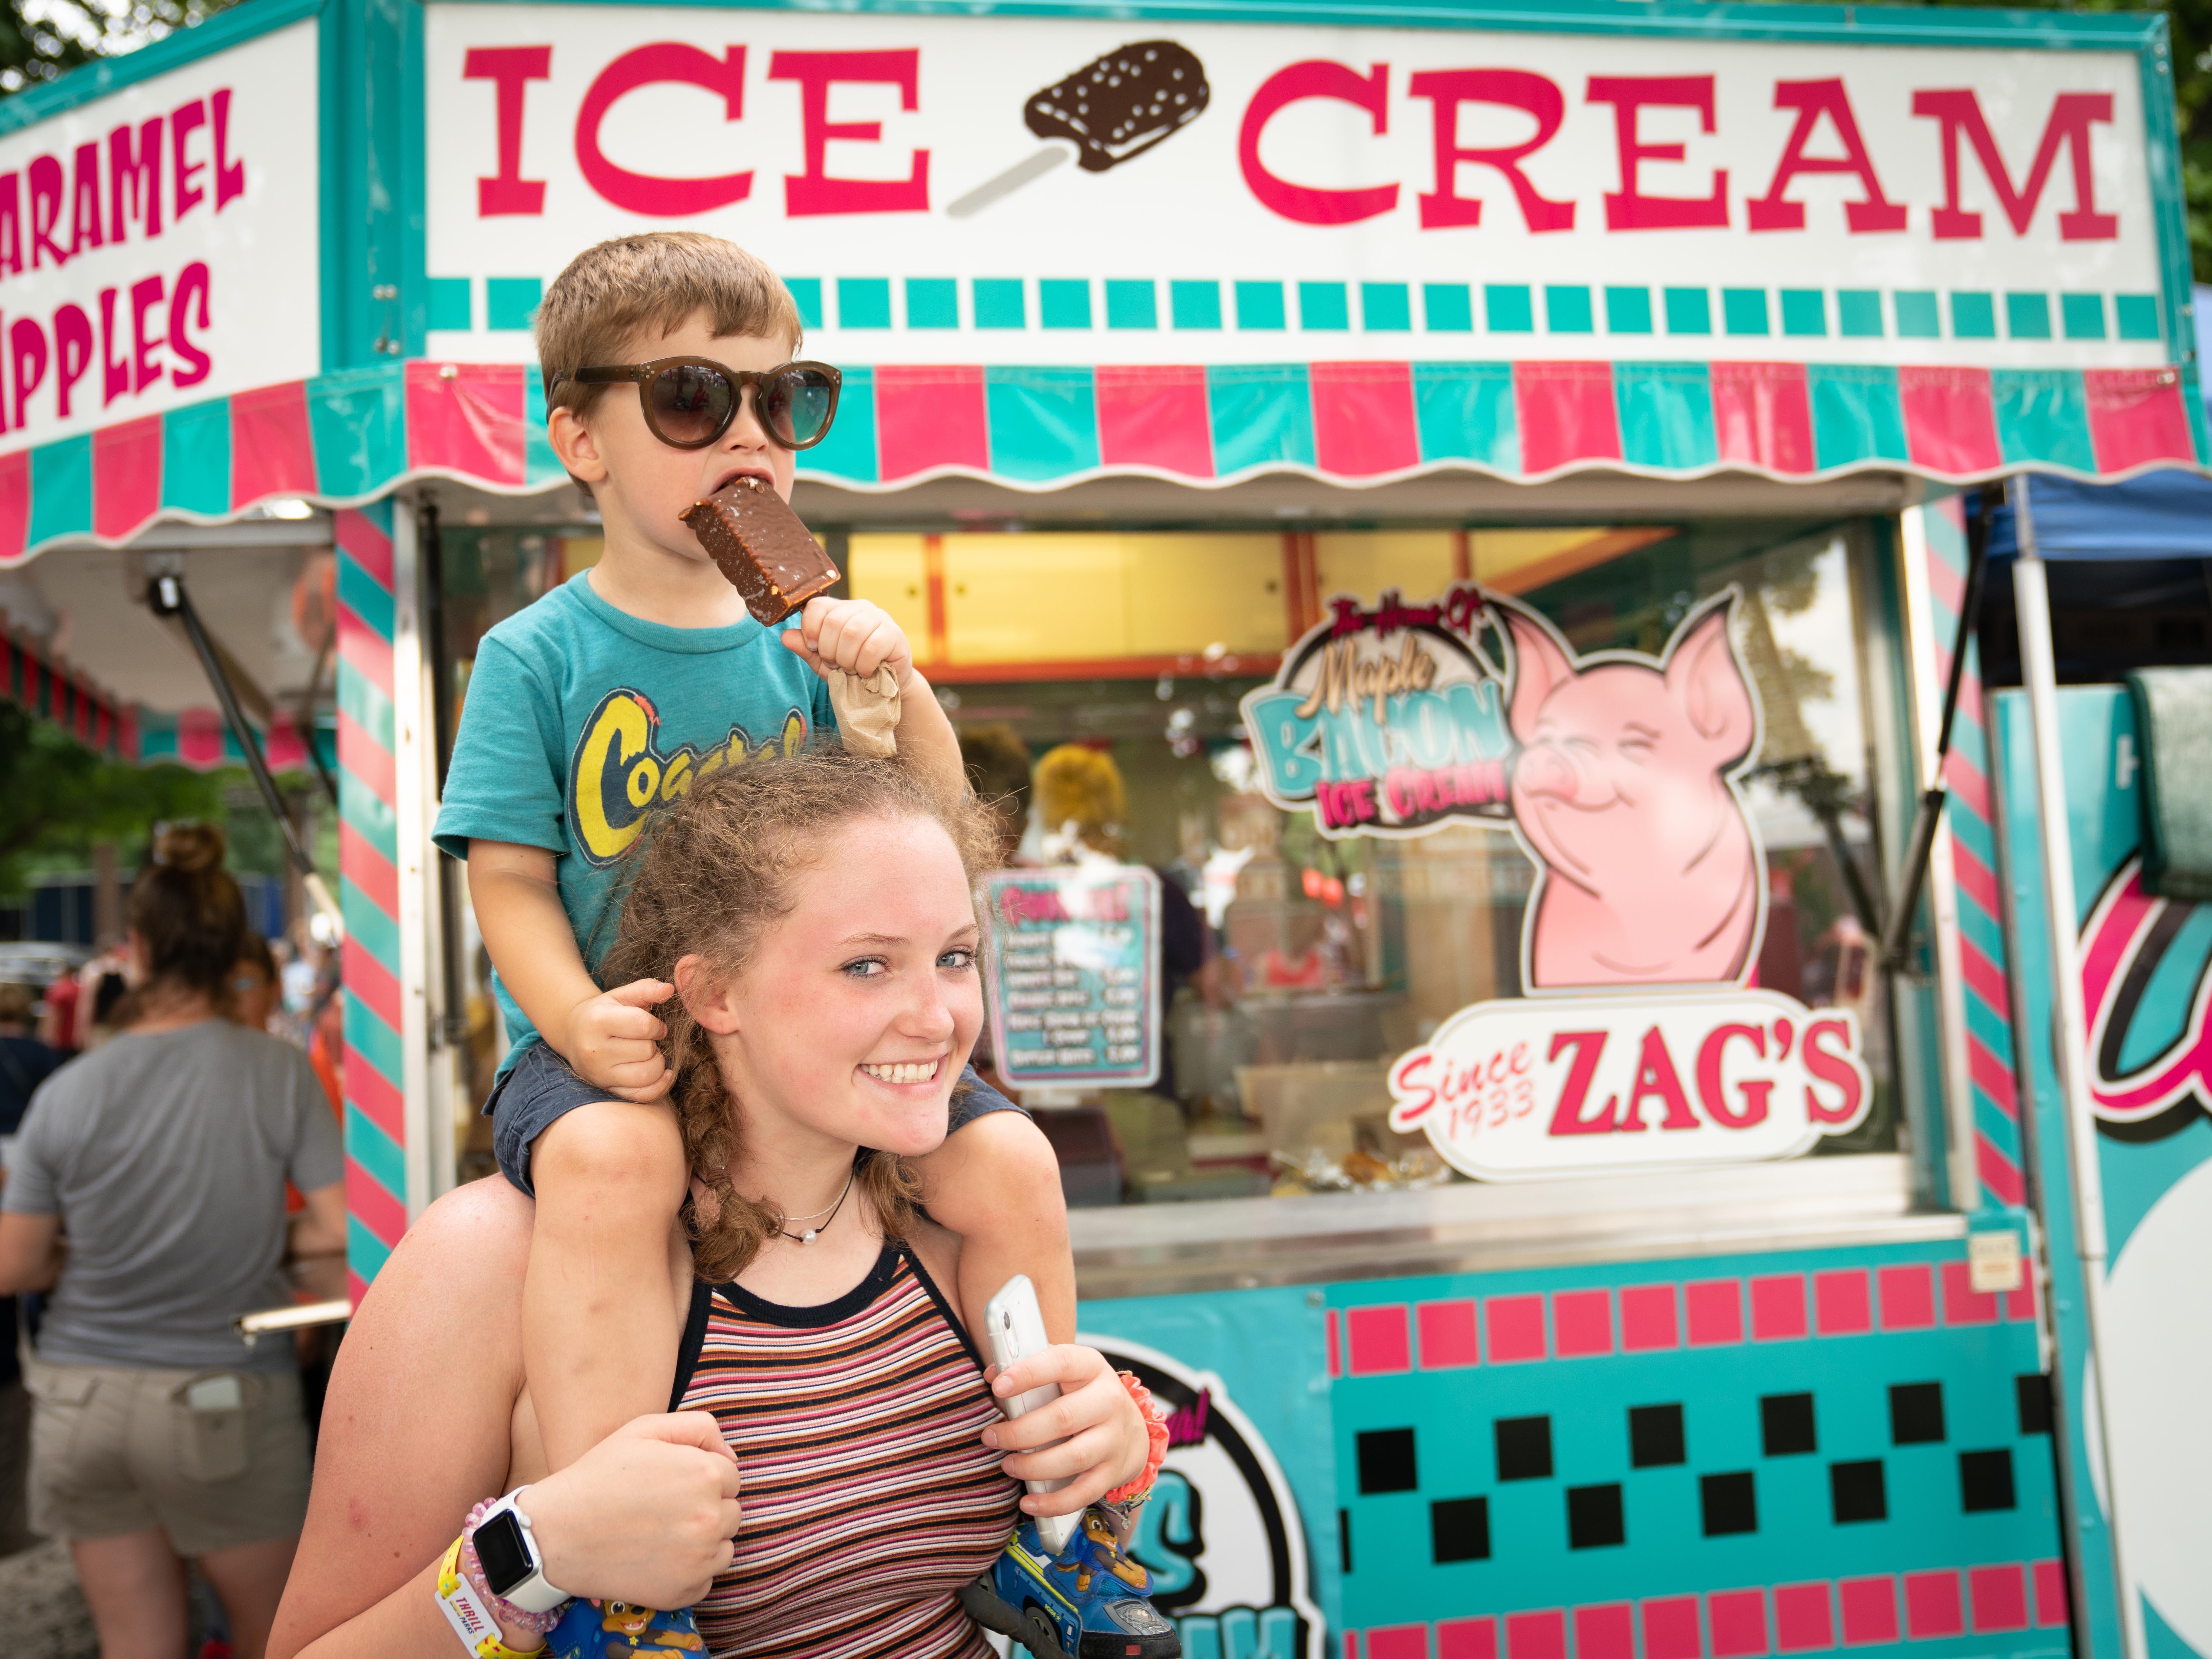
(1118, 107)
(753, 534)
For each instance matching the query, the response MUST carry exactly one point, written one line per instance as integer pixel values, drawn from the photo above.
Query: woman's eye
(959, 959)
(866, 967)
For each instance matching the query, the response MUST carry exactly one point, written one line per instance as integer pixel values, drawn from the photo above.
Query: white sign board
(1074, 975)
(1551, 1086)
(161, 245)
(973, 190)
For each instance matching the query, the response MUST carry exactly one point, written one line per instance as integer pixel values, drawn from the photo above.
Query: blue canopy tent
(2160, 515)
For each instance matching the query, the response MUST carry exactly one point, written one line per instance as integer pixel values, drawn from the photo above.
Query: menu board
(1075, 975)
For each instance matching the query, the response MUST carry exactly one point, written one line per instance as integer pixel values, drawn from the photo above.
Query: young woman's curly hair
(710, 876)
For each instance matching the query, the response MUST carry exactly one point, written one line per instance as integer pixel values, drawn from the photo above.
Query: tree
(58, 797)
(40, 39)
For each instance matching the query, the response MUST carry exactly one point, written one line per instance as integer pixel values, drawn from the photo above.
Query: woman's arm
(320, 1229)
(30, 1253)
(647, 1516)
(419, 1426)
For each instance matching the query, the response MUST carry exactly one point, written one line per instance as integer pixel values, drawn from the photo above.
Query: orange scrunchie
(1156, 1432)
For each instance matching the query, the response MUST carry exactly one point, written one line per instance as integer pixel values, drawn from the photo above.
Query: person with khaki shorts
(145, 1194)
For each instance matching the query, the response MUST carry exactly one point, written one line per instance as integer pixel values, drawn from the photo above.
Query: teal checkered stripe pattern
(498, 304)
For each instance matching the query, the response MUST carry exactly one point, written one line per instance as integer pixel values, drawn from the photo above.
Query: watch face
(505, 1556)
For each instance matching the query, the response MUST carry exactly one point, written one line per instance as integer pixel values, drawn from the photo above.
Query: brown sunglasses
(689, 402)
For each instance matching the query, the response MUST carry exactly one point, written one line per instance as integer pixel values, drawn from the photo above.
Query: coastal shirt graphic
(581, 721)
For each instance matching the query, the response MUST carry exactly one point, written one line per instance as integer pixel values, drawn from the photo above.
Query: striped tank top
(869, 1497)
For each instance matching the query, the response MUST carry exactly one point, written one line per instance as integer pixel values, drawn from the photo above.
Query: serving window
(1163, 702)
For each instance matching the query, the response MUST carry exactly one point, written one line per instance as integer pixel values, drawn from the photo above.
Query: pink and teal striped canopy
(349, 436)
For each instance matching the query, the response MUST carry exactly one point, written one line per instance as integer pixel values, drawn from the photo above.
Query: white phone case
(1013, 1328)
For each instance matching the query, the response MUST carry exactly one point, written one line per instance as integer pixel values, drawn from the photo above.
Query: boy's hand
(853, 635)
(612, 1041)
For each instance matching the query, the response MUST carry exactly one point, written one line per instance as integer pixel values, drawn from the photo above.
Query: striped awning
(197, 737)
(51, 692)
(349, 437)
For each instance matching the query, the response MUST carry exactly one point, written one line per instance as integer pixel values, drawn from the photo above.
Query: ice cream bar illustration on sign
(1111, 110)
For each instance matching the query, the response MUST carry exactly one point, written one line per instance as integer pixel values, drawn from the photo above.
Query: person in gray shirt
(157, 1437)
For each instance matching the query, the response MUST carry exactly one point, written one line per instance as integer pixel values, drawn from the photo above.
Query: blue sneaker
(616, 1629)
(1087, 1603)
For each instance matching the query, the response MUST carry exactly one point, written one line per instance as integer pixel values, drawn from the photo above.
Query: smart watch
(508, 1551)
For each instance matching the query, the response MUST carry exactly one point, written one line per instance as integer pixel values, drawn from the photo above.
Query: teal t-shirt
(581, 719)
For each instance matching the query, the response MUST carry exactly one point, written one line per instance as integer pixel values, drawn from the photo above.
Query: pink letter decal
(191, 282)
(1826, 1065)
(1315, 78)
(73, 353)
(1812, 99)
(1657, 1079)
(647, 192)
(1567, 1117)
(185, 195)
(1712, 1094)
(814, 192)
(2071, 112)
(1448, 89)
(1628, 208)
(510, 69)
(27, 349)
(229, 175)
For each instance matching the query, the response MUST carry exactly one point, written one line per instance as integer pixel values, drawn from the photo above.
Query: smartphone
(1013, 1328)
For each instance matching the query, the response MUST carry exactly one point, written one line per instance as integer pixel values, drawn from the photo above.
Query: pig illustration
(1624, 790)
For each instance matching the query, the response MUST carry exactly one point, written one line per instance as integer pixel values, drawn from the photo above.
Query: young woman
(156, 1436)
(815, 915)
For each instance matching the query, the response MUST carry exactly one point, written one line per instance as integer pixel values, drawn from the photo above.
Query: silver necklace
(810, 1235)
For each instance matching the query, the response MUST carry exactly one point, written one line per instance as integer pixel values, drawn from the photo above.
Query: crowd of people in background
(135, 1424)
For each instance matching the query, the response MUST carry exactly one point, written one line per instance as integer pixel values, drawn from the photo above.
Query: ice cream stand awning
(355, 434)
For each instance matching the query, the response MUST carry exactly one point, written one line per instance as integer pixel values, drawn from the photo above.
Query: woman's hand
(1102, 1434)
(645, 1517)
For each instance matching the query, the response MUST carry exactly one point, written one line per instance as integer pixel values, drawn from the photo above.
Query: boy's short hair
(657, 280)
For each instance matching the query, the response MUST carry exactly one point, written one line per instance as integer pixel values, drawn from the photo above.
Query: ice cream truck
(1672, 1129)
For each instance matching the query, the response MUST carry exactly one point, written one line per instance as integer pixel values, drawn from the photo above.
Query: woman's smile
(906, 1072)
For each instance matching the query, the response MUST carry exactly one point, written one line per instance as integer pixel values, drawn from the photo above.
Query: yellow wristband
(465, 1610)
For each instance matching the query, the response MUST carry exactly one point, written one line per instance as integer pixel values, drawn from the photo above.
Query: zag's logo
(2131, 974)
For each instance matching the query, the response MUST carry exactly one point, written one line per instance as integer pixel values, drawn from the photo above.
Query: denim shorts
(539, 1087)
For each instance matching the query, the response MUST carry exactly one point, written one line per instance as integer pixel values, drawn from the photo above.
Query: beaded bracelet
(468, 1608)
(1156, 1434)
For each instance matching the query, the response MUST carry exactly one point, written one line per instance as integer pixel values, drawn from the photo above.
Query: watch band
(470, 1616)
(534, 1595)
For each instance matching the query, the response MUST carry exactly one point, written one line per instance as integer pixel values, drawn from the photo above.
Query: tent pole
(168, 597)
(2039, 675)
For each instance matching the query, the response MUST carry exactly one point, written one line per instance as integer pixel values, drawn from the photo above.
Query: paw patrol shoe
(616, 1629)
(1088, 1602)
